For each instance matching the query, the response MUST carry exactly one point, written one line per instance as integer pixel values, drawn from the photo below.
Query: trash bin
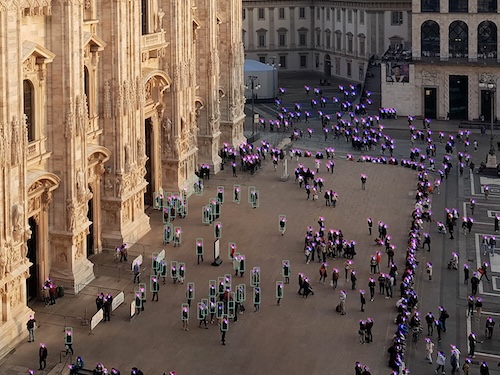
(60, 291)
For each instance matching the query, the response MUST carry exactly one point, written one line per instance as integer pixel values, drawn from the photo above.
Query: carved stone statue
(161, 14)
(141, 149)
(71, 216)
(3, 262)
(127, 155)
(18, 220)
(80, 183)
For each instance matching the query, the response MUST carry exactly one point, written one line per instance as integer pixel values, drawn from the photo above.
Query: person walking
(137, 272)
(335, 278)
(466, 274)
(466, 366)
(474, 282)
(429, 270)
(42, 356)
(155, 287)
(427, 241)
(362, 300)
(442, 317)
(429, 319)
(440, 361)
(429, 349)
(371, 286)
(470, 306)
(342, 300)
(490, 324)
(472, 344)
(353, 280)
(454, 360)
(323, 273)
(370, 225)
(363, 182)
(31, 326)
(484, 369)
(479, 307)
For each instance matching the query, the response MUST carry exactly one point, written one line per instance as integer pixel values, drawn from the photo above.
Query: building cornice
(352, 4)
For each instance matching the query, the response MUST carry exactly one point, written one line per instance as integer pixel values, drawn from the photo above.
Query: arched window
(458, 6)
(430, 6)
(29, 108)
(487, 40)
(487, 6)
(429, 39)
(459, 40)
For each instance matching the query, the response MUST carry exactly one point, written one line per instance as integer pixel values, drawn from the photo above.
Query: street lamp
(275, 68)
(491, 86)
(253, 84)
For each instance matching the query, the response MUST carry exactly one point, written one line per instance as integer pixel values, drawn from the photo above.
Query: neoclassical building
(336, 37)
(455, 67)
(102, 103)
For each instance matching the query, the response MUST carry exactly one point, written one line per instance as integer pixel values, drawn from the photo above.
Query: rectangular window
(486, 6)
(262, 59)
(281, 13)
(261, 14)
(458, 6)
(318, 13)
(338, 41)
(430, 6)
(302, 39)
(328, 14)
(302, 12)
(349, 43)
(318, 38)
(282, 40)
(328, 40)
(282, 61)
(396, 18)
(349, 16)
(338, 15)
(244, 16)
(337, 66)
(361, 17)
(262, 40)
(349, 68)
(303, 61)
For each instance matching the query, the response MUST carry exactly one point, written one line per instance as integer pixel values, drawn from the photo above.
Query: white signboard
(160, 256)
(96, 319)
(132, 308)
(137, 260)
(117, 301)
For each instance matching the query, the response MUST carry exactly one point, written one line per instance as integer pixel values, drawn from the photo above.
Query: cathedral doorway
(148, 135)
(90, 234)
(32, 245)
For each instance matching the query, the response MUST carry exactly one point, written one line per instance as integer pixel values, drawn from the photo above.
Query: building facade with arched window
(103, 104)
(455, 48)
(337, 38)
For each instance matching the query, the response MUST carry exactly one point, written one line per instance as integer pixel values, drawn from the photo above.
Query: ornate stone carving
(18, 223)
(430, 78)
(29, 65)
(80, 183)
(176, 78)
(141, 150)
(148, 90)
(139, 89)
(69, 126)
(3, 261)
(46, 199)
(119, 186)
(15, 141)
(126, 92)
(487, 77)
(118, 101)
(71, 216)
(107, 100)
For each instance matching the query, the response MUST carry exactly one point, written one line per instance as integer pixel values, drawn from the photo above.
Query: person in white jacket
(429, 348)
(440, 360)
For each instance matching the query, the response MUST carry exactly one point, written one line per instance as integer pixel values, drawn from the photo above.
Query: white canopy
(266, 77)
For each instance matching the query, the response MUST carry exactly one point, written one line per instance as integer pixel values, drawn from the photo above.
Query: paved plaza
(302, 335)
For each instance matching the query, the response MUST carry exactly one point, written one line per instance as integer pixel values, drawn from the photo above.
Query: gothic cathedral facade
(103, 103)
